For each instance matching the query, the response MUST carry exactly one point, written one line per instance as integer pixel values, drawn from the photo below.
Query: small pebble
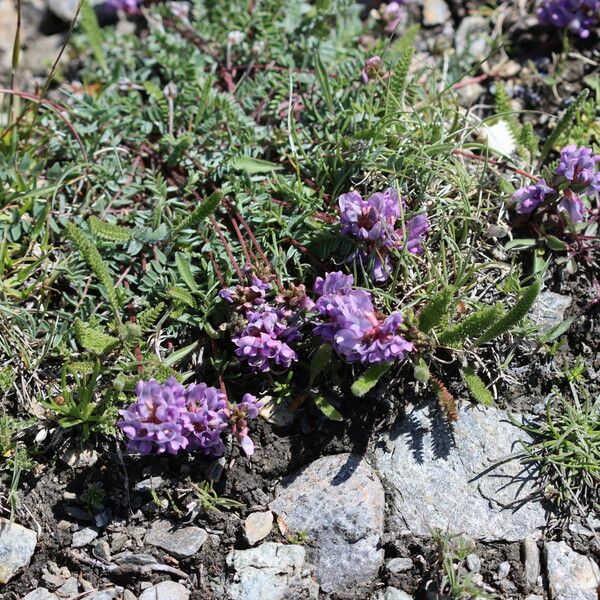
(503, 570)
(399, 565)
(473, 563)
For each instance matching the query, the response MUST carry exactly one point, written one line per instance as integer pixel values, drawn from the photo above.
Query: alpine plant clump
(357, 331)
(576, 177)
(170, 418)
(264, 330)
(580, 17)
(374, 223)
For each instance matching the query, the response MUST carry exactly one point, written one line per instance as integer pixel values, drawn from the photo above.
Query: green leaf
(398, 81)
(253, 166)
(555, 244)
(179, 355)
(477, 388)
(94, 34)
(321, 358)
(327, 409)
(323, 79)
(436, 310)
(472, 326)
(559, 330)
(183, 266)
(514, 315)
(93, 339)
(108, 231)
(369, 378)
(148, 317)
(203, 210)
(181, 295)
(520, 244)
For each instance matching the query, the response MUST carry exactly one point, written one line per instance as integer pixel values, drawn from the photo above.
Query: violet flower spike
(572, 205)
(578, 165)
(580, 17)
(529, 197)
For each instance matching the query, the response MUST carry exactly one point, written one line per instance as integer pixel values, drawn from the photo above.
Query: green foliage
(93, 339)
(108, 231)
(327, 408)
(93, 497)
(201, 212)
(477, 388)
(89, 22)
(472, 326)
(369, 379)
(505, 112)
(209, 499)
(436, 310)
(528, 139)
(148, 317)
(513, 316)
(398, 81)
(320, 359)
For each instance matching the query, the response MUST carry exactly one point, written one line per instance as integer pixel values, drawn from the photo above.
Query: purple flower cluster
(171, 418)
(392, 14)
(127, 6)
(373, 221)
(578, 16)
(269, 325)
(577, 168)
(351, 323)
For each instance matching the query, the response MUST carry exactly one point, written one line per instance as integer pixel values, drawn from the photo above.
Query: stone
(391, 593)
(435, 12)
(338, 503)
(461, 482)
(469, 94)
(166, 590)
(39, 56)
(111, 594)
(131, 559)
(531, 561)
(17, 545)
(549, 311)
(257, 526)
(571, 576)
(503, 570)
(101, 550)
(273, 571)
(472, 37)
(150, 484)
(399, 565)
(127, 595)
(83, 537)
(278, 413)
(181, 543)
(40, 594)
(77, 458)
(473, 563)
(68, 588)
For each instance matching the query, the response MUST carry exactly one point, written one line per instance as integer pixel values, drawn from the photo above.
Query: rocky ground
(323, 509)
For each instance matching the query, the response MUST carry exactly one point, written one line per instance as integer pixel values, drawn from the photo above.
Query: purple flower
(578, 165)
(529, 197)
(247, 296)
(578, 16)
(572, 205)
(371, 219)
(372, 67)
(128, 6)
(156, 420)
(246, 409)
(207, 418)
(393, 13)
(416, 228)
(262, 343)
(351, 322)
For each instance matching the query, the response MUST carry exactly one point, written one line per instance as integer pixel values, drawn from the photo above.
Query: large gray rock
(549, 310)
(571, 576)
(338, 503)
(166, 590)
(17, 545)
(273, 571)
(181, 543)
(391, 593)
(40, 594)
(459, 480)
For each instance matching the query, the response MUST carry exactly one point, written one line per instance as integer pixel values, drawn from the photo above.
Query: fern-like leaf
(436, 310)
(398, 81)
(94, 34)
(92, 257)
(148, 317)
(505, 111)
(202, 211)
(445, 399)
(108, 231)
(529, 139)
(185, 272)
(93, 339)
(472, 326)
(181, 295)
(513, 316)
(477, 388)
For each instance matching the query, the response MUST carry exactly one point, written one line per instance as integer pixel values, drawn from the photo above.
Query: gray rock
(17, 545)
(132, 559)
(278, 413)
(503, 570)
(214, 469)
(257, 526)
(391, 593)
(83, 537)
(435, 12)
(40, 594)
(273, 571)
(571, 576)
(338, 503)
(101, 550)
(462, 482)
(77, 458)
(534, 597)
(127, 595)
(472, 37)
(111, 594)
(531, 562)
(166, 590)
(181, 543)
(473, 563)
(69, 588)
(549, 310)
(150, 484)
(399, 565)
(66, 9)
